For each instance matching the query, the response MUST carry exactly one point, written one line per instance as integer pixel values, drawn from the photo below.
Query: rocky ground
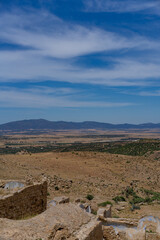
(78, 174)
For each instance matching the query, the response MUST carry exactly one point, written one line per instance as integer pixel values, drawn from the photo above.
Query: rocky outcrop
(57, 183)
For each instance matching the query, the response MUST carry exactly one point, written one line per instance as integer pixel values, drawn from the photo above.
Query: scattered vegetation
(149, 231)
(138, 148)
(149, 196)
(115, 216)
(104, 204)
(26, 217)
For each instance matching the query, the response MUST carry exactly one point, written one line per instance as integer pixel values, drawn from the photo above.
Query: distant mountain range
(42, 124)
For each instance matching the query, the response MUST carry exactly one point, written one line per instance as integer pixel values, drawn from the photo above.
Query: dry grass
(103, 175)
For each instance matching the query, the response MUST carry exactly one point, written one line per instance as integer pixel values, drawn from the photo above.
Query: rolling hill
(42, 124)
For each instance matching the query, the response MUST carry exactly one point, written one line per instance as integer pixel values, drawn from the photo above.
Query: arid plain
(74, 170)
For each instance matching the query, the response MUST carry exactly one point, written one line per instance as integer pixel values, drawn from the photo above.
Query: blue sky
(78, 60)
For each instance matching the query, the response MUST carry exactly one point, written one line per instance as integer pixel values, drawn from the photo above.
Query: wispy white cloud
(123, 6)
(53, 45)
(30, 66)
(39, 98)
(150, 93)
(54, 38)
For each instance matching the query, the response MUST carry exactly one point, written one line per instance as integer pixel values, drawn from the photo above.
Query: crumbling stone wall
(28, 201)
(90, 231)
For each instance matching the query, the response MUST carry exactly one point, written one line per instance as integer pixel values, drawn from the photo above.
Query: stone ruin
(25, 215)
(62, 220)
(22, 200)
(146, 228)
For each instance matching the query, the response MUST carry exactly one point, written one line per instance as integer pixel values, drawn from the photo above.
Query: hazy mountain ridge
(42, 124)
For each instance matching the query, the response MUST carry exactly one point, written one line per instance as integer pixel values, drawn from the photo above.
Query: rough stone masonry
(29, 201)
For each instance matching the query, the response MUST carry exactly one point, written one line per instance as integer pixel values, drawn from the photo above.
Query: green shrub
(156, 196)
(89, 197)
(130, 191)
(136, 199)
(119, 199)
(94, 212)
(151, 196)
(134, 207)
(148, 192)
(148, 200)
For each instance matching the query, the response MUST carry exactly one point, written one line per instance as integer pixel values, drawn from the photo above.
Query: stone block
(61, 200)
(77, 200)
(104, 212)
(109, 233)
(91, 231)
(122, 235)
(101, 212)
(152, 236)
(151, 227)
(108, 212)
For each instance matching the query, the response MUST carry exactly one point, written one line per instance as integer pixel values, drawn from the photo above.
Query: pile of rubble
(54, 182)
(65, 220)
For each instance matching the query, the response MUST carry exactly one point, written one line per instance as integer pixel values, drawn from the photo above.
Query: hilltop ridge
(43, 124)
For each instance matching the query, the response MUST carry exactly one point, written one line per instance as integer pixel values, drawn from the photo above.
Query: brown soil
(101, 174)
